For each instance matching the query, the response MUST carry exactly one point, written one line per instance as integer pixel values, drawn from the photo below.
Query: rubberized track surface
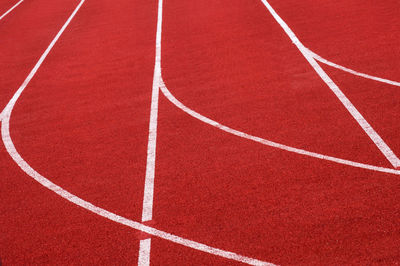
(200, 132)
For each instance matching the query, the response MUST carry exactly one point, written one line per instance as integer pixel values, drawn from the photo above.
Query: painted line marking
(5, 132)
(351, 71)
(144, 252)
(148, 195)
(8, 109)
(382, 146)
(147, 212)
(10, 147)
(211, 122)
(11, 9)
(270, 143)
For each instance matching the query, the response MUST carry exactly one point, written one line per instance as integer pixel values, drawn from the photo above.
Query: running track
(200, 132)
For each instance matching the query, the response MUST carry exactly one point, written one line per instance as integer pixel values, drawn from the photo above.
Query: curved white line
(351, 71)
(11, 9)
(266, 142)
(5, 134)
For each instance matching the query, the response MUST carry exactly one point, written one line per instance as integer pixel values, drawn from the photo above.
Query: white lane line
(144, 252)
(351, 71)
(147, 212)
(7, 110)
(11, 9)
(382, 146)
(9, 145)
(148, 195)
(270, 143)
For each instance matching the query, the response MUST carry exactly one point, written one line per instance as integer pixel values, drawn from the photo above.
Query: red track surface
(83, 123)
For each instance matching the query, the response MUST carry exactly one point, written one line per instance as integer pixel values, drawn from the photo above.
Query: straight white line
(11, 9)
(144, 252)
(266, 142)
(148, 196)
(351, 71)
(147, 212)
(382, 146)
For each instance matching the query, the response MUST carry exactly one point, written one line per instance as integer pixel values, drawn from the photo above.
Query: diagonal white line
(351, 71)
(11, 9)
(379, 142)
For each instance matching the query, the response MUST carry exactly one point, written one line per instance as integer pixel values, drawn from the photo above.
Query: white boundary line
(379, 142)
(351, 71)
(148, 195)
(10, 147)
(144, 252)
(266, 142)
(11, 9)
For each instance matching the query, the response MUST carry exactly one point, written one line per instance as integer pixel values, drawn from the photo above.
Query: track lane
(361, 35)
(164, 212)
(38, 228)
(24, 36)
(4, 13)
(264, 87)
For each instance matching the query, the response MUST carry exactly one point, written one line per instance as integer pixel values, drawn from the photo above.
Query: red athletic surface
(83, 123)
(6, 5)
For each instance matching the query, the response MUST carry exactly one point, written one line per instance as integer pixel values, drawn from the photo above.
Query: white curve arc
(362, 122)
(266, 142)
(11, 9)
(148, 195)
(7, 110)
(5, 133)
(351, 71)
(5, 117)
